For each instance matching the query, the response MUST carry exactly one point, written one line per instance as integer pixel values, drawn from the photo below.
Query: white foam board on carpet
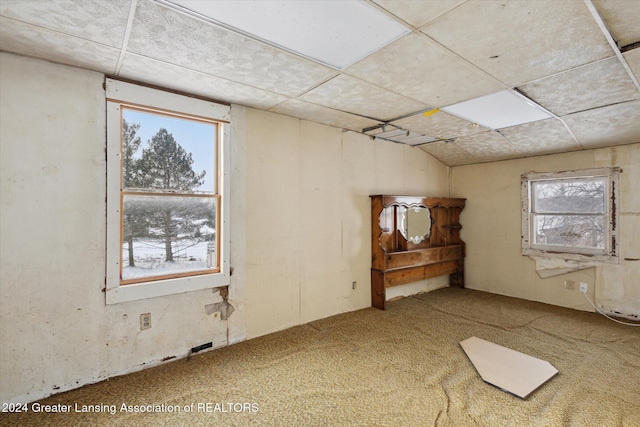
(507, 369)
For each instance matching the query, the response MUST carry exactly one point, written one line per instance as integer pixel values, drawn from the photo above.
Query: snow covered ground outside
(149, 258)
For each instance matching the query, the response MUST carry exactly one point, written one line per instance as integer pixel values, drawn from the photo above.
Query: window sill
(134, 292)
(602, 259)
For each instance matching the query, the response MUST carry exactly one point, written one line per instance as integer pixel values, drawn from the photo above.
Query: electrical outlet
(145, 321)
(583, 287)
(353, 285)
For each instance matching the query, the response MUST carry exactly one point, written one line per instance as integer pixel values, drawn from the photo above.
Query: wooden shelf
(396, 261)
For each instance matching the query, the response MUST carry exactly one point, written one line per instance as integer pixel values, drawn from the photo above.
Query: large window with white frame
(571, 215)
(167, 193)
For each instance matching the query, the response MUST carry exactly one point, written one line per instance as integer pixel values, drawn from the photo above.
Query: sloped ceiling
(578, 59)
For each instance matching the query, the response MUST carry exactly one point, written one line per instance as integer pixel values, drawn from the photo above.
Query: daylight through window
(169, 196)
(167, 215)
(571, 213)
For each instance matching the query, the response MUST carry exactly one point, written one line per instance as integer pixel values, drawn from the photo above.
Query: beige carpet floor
(400, 367)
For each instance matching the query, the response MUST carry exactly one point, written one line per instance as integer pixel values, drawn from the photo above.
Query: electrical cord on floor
(610, 318)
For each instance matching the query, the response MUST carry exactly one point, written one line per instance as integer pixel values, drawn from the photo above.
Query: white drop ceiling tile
(415, 66)
(499, 110)
(324, 115)
(439, 125)
(574, 90)
(30, 40)
(520, 41)
(633, 60)
(622, 18)
(180, 39)
(95, 20)
(173, 77)
(488, 146)
(418, 13)
(606, 126)
(448, 153)
(355, 96)
(336, 33)
(542, 137)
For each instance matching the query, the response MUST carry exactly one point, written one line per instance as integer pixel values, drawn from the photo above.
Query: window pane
(168, 235)
(569, 230)
(579, 196)
(166, 153)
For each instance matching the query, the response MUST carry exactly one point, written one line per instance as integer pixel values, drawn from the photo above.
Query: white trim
(142, 95)
(120, 92)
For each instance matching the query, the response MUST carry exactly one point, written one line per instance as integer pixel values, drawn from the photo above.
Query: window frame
(611, 216)
(121, 94)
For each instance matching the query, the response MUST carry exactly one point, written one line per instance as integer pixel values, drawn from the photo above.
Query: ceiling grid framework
(127, 33)
(577, 59)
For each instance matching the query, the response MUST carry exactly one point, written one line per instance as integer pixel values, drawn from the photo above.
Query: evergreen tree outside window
(169, 208)
(166, 159)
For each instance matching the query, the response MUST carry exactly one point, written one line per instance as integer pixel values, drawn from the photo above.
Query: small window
(572, 215)
(166, 199)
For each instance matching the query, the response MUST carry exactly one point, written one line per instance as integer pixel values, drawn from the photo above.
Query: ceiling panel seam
(393, 16)
(344, 111)
(60, 33)
(515, 147)
(31, 24)
(568, 70)
(192, 70)
(445, 51)
(437, 18)
(466, 61)
(614, 46)
(353, 76)
(599, 107)
(370, 84)
(522, 93)
(571, 133)
(195, 15)
(465, 151)
(273, 108)
(415, 113)
(310, 88)
(390, 91)
(127, 32)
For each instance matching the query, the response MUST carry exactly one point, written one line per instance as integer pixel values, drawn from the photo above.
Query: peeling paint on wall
(223, 307)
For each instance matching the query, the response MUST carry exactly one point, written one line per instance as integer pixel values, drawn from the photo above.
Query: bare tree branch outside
(570, 212)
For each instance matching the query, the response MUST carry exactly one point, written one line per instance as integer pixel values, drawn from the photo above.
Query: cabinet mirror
(415, 223)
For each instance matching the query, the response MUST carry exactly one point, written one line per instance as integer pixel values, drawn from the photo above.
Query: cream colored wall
(492, 227)
(308, 216)
(300, 233)
(618, 287)
(56, 333)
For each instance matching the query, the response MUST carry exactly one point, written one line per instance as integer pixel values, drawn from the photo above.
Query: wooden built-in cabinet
(414, 238)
